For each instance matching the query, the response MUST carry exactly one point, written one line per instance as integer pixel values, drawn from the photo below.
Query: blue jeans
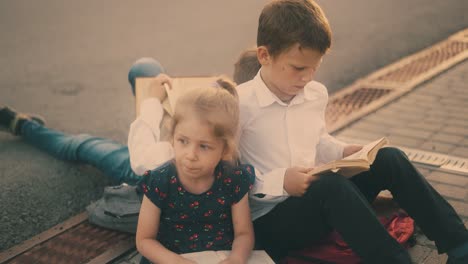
(111, 157)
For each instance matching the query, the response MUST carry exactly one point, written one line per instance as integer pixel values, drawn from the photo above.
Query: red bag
(333, 249)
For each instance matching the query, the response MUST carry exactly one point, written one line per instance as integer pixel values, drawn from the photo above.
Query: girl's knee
(144, 67)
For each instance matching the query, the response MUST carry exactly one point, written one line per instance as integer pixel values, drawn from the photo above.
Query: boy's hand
(297, 181)
(156, 88)
(351, 149)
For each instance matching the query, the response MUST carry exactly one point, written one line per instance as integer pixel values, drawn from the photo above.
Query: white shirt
(275, 136)
(147, 152)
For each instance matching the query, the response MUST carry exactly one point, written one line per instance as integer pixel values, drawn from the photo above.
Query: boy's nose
(308, 76)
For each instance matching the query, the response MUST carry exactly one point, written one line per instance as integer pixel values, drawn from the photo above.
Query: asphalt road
(68, 61)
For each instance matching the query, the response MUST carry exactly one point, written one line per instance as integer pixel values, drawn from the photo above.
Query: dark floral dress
(197, 222)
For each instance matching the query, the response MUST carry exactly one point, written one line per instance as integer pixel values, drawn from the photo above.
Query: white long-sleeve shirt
(273, 136)
(146, 149)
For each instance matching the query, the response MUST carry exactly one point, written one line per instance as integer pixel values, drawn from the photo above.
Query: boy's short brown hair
(247, 66)
(283, 23)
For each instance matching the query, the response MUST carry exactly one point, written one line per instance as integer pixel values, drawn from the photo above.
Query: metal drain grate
(79, 244)
(427, 158)
(423, 64)
(459, 165)
(342, 106)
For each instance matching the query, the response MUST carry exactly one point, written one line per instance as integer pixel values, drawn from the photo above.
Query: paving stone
(460, 207)
(419, 253)
(455, 130)
(426, 126)
(456, 122)
(359, 134)
(411, 132)
(435, 119)
(422, 240)
(448, 178)
(456, 100)
(371, 127)
(435, 258)
(460, 152)
(437, 147)
(446, 114)
(447, 138)
(422, 98)
(405, 141)
(401, 114)
(382, 120)
(453, 106)
(465, 142)
(413, 108)
(450, 191)
(423, 170)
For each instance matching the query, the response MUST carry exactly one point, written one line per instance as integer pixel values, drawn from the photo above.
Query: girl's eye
(182, 141)
(204, 147)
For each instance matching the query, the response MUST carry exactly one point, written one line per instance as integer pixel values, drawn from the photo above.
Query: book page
(214, 257)
(354, 163)
(179, 85)
(183, 84)
(202, 257)
(256, 257)
(368, 148)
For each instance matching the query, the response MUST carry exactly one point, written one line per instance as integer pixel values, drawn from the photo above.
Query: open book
(179, 85)
(214, 257)
(354, 163)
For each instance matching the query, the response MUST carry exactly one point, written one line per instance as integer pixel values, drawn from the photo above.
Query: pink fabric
(333, 249)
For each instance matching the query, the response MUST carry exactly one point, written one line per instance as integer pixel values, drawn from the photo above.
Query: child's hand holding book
(297, 180)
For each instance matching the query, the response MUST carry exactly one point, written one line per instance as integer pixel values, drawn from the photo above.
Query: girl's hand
(156, 88)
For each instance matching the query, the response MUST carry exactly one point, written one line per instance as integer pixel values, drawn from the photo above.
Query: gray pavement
(68, 62)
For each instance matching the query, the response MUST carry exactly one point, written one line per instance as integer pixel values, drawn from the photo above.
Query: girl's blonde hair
(218, 105)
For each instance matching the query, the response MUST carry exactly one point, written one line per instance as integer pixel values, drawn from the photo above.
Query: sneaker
(11, 121)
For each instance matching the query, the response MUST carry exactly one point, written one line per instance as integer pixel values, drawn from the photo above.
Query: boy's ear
(263, 55)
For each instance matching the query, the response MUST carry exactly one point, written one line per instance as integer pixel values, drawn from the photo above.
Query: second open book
(179, 85)
(355, 163)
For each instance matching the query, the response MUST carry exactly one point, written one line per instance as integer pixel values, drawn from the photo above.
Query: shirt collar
(265, 97)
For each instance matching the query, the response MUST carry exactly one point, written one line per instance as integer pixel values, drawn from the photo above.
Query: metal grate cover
(425, 157)
(343, 106)
(79, 244)
(423, 64)
(458, 165)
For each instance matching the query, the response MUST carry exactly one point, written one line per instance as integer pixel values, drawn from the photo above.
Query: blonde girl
(198, 200)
